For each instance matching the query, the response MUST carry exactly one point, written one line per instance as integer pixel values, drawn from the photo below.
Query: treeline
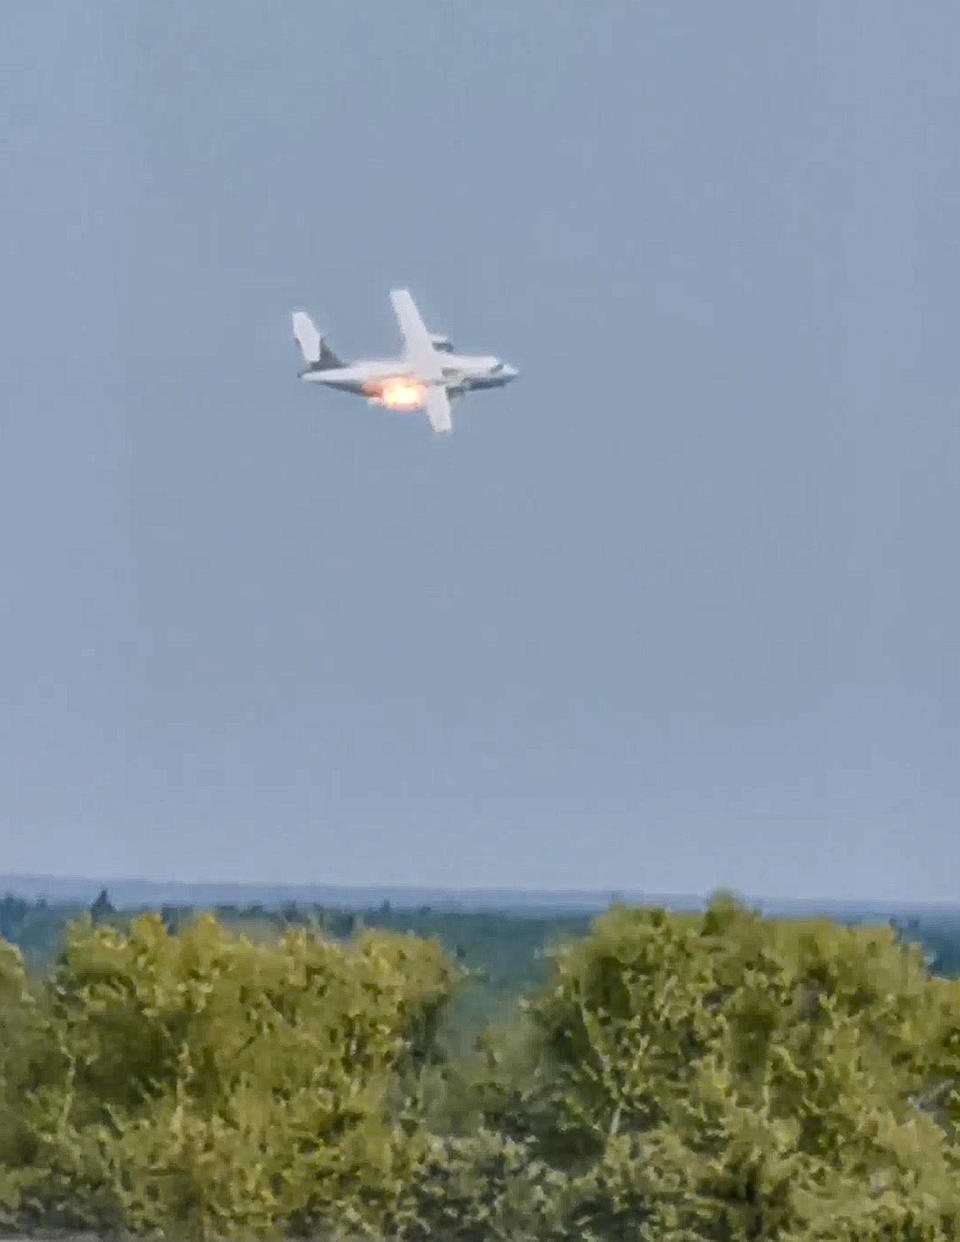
(502, 953)
(714, 1076)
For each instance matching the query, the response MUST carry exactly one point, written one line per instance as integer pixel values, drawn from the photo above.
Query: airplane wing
(438, 409)
(423, 355)
(419, 344)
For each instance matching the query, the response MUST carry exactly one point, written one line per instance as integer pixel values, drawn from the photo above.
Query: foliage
(721, 1076)
(36, 928)
(212, 1085)
(503, 951)
(716, 1076)
(18, 1037)
(488, 1188)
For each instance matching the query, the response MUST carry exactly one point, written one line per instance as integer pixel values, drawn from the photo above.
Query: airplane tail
(317, 354)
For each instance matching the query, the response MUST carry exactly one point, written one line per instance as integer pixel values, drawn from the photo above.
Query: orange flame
(402, 394)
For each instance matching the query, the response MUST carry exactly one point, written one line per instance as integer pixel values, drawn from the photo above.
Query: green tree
(13, 913)
(102, 908)
(722, 1076)
(209, 1086)
(17, 1037)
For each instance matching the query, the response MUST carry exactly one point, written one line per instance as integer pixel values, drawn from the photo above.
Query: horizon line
(610, 895)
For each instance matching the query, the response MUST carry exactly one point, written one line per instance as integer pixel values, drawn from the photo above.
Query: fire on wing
(398, 393)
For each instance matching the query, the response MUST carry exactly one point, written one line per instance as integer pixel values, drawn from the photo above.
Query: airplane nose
(510, 372)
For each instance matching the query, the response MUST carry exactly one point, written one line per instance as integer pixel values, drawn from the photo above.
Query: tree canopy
(717, 1076)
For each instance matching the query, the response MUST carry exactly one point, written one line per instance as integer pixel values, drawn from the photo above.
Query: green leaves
(680, 1077)
(207, 1084)
(728, 1077)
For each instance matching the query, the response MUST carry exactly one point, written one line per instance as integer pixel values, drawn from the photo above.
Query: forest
(416, 1074)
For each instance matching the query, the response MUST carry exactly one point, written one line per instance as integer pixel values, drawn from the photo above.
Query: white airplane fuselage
(426, 377)
(367, 376)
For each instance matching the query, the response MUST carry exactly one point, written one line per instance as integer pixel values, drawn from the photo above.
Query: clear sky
(678, 609)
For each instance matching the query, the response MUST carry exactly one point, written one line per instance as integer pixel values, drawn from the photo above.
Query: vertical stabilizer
(307, 337)
(317, 354)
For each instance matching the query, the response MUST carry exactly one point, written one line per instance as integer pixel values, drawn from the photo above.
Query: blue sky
(677, 609)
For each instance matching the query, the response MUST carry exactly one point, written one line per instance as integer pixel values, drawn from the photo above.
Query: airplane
(426, 377)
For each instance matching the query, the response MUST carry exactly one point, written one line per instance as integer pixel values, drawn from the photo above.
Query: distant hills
(132, 894)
